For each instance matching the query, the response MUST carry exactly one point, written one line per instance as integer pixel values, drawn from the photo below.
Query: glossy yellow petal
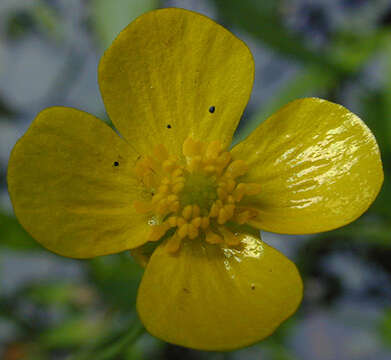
(318, 165)
(71, 185)
(211, 298)
(173, 73)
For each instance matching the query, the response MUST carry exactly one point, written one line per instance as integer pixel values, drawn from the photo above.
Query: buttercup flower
(175, 84)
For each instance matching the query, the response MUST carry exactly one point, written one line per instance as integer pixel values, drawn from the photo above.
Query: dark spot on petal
(152, 193)
(168, 126)
(252, 287)
(212, 109)
(186, 290)
(116, 163)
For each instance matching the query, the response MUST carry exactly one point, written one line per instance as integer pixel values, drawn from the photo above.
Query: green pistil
(199, 190)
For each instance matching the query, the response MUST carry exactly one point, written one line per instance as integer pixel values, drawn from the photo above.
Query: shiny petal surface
(71, 185)
(173, 73)
(318, 164)
(211, 298)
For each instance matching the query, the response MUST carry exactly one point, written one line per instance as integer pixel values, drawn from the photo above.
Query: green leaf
(117, 278)
(72, 332)
(354, 50)
(262, 20)
(110, 17)
(387, 94)
(61, 294)
(113, 343)
(385, 328)
(366, 230)
(13, 236)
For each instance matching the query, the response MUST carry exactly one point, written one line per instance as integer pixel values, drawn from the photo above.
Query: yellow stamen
(230, 238)
(181, 221)
(205, 222)
(177, 188)
(192, 231)
(191, 147)
(194, 196)
(187, 212)
(239, 192)
(183, 231)
(213, 149)
(243, 215)
(173, 244)
(157, 231)
(236, 168)
(196, 222)
(169, 165)
(194, 164)
(160, 152)
(213, 238)
(196, 211)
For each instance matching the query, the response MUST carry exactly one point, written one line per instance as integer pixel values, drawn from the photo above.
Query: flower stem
(114, 349)
(118, 347)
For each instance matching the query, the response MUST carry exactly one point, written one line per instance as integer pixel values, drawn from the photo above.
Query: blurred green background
(57, 308)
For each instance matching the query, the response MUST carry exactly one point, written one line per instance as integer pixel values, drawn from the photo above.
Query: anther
(177, 172)
(214, 210)
(196, 211)
(230, 238)
(192, 231)
(224, 159)
(157, 232)
(219, 193)
(172, 221)
(239, 192)
(172, 198)
(236, 168)
(169, 165)
(210, 169)
(222, 217)
(194, 163)
(196, 222)
(222, 193)
(173, 244)
(160, 152)
(183, 231)
(205, 222)
(177, 188)
(187, 212)
(180, 221)
(191, 147)
(213, 149)
(230, 185)
(230, 199)
(213, 238)
(163, 189)
(175, 206)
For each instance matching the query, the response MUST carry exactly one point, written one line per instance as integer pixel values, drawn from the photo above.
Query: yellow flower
(175, 85)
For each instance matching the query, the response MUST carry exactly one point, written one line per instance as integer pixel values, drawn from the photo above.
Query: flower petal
(173, 73)
(211, 298)
(71, 185)
(318, 164)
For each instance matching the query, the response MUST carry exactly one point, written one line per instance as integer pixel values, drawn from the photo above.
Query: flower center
(198, 189)
(195, 197)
